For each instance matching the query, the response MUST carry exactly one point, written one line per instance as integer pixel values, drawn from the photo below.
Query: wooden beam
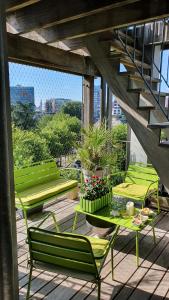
(88, 100)
(48, 13)
(8, 244)
(118, 17)
(13, 5)
(26, 51)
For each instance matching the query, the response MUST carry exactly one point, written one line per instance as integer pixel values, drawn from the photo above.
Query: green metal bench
(137, 183)
(38, 184)
(74, 255)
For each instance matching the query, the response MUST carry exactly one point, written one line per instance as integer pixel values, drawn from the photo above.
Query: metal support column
(8, 246)
(88, 100)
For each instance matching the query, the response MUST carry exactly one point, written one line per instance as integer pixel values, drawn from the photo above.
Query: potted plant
(94, 150)
(95, 194)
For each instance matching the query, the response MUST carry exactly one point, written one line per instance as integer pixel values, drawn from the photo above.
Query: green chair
(39, 184)
(76, 255)
(139, 182)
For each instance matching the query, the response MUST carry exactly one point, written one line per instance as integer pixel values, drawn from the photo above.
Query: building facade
(97, 97)
(22, 94)
(54, 105)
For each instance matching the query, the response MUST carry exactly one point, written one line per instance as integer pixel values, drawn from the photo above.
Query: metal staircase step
(158, 125)
(146, 91)
(146, 107)
(137, 76)
(125, 60)
(117, 46)
(126, 37)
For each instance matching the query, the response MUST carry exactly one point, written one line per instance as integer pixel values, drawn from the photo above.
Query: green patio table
(125, 221)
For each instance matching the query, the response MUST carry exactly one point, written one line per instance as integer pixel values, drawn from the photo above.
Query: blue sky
(52, 84)
(47, 83)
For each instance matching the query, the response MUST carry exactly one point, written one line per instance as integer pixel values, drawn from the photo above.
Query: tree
(23, 115)
(28, 147)
(119, 133)
(119, 138)
(73, 108)
(60, 133)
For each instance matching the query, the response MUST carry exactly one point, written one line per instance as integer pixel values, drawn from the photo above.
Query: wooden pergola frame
(36, 29)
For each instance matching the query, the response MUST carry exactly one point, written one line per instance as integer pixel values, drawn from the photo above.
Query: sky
(53, 84)
(47, 83)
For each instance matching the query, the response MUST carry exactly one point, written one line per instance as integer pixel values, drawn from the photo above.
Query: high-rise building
(117, 112)
(54, 105)
(22, 94)
(97, 96)
(116, 109)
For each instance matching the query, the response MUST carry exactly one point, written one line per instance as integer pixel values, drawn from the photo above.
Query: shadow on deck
(149, 281)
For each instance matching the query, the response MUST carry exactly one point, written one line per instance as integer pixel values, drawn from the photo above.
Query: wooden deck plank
(147, 248)
(162, 288)
(137, 283)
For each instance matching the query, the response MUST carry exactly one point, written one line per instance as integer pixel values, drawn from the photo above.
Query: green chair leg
(50, 214)
(158, 204)
(55, 222)
(25, 218)
(154, 236)
(29, 283)
(75, 222)
(99, 289)
(112, 245)
(137, 248)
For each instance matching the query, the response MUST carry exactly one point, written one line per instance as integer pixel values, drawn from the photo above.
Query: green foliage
(94, 149)
(28, 147)
(73, 108)
(119, 138)
(23, 115)
(119, 133)
(71, 173)
(60, 133)
(53, 136)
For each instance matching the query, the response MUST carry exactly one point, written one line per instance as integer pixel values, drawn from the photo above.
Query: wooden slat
(13, 5)
(25, 51)
(47, 13)
(117, 17)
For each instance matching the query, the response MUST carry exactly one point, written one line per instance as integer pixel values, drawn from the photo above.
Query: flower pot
(93, 205)
(99, 173)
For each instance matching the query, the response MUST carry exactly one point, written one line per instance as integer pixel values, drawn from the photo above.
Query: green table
(124, 221)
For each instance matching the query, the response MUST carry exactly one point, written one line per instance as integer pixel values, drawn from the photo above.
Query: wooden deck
(149, 281)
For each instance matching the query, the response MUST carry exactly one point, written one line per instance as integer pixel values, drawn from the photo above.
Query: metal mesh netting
(46, 113)
(46, 117)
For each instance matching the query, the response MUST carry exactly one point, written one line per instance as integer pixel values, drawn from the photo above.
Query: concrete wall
(137, 154)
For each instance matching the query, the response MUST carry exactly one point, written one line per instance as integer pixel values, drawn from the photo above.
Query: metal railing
(146, 38)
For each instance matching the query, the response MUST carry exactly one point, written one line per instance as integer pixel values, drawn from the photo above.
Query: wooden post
(103, 100)
(109, 109)
(8, 245)
(88, 97)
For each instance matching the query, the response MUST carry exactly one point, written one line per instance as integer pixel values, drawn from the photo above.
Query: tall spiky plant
(94, 151)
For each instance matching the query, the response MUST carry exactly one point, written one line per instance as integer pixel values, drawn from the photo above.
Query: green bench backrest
(141, 175)
(61, 249)
(35, 174)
